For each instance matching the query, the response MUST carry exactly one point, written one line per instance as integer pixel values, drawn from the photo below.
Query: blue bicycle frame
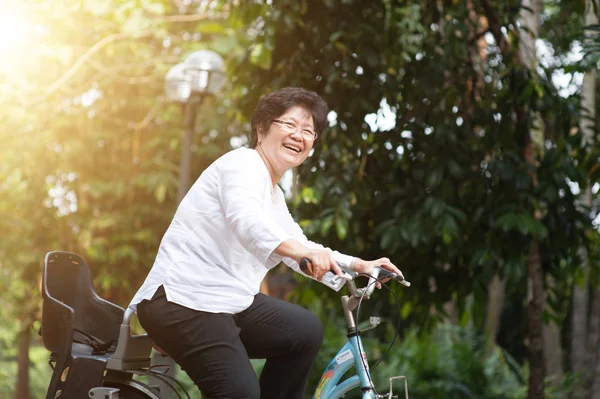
(352, 354)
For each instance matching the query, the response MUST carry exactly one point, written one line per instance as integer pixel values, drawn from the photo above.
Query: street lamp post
(188, 83)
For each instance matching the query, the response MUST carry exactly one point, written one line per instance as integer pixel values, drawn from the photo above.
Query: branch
(115, 72)
(190, 17)
(478, 36)
(134, 80)
(132, 125)
(85, 57)
(149, 116)
(207, 15)
(178, 3)
(494, 25)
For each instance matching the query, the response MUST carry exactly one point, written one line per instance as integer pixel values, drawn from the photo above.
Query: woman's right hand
(321, 261)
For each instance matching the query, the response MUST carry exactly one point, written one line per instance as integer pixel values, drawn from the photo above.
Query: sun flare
(15, 37)
(14, 30)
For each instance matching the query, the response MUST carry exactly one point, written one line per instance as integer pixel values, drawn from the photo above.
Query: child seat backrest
(70, 303)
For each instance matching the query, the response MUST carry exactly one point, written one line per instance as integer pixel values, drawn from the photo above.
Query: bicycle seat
(78, 327)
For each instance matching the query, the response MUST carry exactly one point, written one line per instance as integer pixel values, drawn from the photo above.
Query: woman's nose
(297, 135)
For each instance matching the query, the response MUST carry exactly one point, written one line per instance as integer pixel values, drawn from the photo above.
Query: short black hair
(276, 103)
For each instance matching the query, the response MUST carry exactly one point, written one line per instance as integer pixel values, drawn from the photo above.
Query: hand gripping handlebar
(379, 273)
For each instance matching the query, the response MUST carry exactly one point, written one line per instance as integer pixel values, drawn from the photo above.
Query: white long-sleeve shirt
(220, 243)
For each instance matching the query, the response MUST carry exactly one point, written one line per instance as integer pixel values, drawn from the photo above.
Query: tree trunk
(23, 339)
(451, 313)
(592, 360)
(535, 322)
(497, 286)
(587, 357)
(584, 345)
(530, 19)
(579, 324)
(496, 289)
(553, 353)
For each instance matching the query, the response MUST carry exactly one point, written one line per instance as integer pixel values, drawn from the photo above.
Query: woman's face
(283, 149)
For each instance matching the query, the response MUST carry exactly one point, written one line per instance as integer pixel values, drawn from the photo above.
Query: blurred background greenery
(462, 145)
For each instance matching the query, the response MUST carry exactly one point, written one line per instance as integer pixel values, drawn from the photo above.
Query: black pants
(214, 348)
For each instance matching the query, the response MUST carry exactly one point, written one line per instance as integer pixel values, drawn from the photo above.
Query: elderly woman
(201, 302)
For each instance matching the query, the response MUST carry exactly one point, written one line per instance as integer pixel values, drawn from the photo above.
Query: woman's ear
(259, 133)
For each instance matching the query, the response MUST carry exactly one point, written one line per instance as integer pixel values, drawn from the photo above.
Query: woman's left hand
(367, 266)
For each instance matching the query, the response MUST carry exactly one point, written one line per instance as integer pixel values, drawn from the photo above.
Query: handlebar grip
(384, 273)
(304, 265)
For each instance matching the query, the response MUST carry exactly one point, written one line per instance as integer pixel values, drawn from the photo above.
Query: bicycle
(352, 353)
(94, 355)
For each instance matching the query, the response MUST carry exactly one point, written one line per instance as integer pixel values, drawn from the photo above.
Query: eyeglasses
(291, 127)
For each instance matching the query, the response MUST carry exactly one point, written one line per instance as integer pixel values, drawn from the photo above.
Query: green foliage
(39, 371)
(93, 168)
(447, 192)
(476, 163)
(91, 147)
(450, 362)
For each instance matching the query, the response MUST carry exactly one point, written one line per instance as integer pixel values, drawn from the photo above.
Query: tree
(585, 352)
(467, 182)
(436, 155)
(92, 147)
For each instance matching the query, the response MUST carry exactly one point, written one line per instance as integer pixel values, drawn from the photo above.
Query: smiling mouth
(292, 148)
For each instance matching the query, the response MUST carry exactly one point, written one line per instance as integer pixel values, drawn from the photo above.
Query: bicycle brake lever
(384, 273)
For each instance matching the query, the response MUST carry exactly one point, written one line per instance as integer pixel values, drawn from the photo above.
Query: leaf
(309, 195)
(450, 228)
(326, 225)
(336, 36)
(154, 7)
(212, 27)
(523, 223)
(341, 228)
(406, 310)
(160, 192)
(261, 56)
(225, 44)
(434, 178)
(388, 238)
(460, 215)
(455, 169)
(446, 237)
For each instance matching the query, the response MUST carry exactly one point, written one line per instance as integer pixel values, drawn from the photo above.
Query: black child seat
(85, 334)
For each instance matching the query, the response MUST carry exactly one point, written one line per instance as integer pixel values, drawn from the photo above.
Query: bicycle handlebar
(379, 273)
